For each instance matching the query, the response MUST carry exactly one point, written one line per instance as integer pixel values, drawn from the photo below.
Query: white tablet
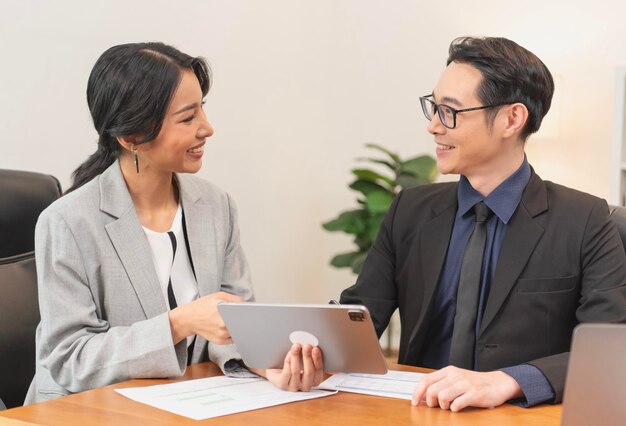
(264, 333)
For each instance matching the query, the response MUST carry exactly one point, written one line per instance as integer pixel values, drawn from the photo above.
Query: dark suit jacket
(562, 262)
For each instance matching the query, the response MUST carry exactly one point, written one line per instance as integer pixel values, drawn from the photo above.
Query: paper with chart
(216, 396)
(394, 384)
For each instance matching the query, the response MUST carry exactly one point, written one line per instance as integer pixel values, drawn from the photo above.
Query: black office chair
(23, 196)
(618, 215)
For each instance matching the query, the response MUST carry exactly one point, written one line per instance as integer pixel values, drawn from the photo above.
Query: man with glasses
(491, 273)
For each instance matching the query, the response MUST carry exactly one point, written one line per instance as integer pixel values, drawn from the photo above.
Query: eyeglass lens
(446, 114)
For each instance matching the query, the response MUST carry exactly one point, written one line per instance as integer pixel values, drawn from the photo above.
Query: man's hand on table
(453, 388)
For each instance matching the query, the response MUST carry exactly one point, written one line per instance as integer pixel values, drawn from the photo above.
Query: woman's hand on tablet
(303, 369)
(202, 317)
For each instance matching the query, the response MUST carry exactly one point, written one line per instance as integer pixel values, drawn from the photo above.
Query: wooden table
(103, 406)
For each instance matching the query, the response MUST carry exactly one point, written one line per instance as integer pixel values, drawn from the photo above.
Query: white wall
(299, 87)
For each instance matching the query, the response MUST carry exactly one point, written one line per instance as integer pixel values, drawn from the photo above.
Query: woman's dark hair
(129, 90)
(510, 74)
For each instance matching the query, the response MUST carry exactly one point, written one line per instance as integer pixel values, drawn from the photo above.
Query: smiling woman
(130, 90)
(134, 259)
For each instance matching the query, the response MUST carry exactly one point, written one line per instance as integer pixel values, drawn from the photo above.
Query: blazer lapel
(130, 242)
(433, 246)
(522, 235)
(200, 223)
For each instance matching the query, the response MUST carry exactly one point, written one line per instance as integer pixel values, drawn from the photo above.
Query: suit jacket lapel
(130, 241)
(200, 222)
(522, 235)
(433, 246)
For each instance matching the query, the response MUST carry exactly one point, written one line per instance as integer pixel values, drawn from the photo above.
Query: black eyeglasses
(447, 114)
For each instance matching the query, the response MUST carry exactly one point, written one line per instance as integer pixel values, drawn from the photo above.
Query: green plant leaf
(379, 201)
(372, 226)
(378, 192)
(365, 187)
(391, 155)
(344, 260)
(391, 166)
(358, 261)
(351, 222)
(424, 167)
(363, 243)
(406, 180)
(371, 176)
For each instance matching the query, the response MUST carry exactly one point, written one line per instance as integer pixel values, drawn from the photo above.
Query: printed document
(216, 396)
(394, 384)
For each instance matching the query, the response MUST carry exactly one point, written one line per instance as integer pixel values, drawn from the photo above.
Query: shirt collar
(503, 200)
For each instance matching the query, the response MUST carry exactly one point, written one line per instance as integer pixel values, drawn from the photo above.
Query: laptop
(264, 333)
(595, 389)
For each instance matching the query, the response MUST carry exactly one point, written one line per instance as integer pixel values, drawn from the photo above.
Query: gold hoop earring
(136, 160)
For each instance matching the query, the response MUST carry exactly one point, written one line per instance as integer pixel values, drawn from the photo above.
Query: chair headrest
(23, 196)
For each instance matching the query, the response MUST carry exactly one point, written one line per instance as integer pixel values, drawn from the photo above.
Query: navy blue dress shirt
(503, 201)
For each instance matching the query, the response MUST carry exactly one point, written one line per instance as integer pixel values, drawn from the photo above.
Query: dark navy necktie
(464, 333)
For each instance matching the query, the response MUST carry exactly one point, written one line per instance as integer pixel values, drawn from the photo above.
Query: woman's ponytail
(97, 163)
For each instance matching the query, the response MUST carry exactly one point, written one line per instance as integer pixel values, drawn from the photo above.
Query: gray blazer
(103, 315)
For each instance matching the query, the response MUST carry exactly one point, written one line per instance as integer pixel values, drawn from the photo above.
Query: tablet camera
(356, 316)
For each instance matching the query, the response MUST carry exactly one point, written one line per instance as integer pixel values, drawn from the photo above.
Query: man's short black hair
(510, 74)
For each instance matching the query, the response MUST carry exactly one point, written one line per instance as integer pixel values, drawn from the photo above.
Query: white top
(176, 266)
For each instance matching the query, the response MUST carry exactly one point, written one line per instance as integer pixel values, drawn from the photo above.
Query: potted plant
(376, 192)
